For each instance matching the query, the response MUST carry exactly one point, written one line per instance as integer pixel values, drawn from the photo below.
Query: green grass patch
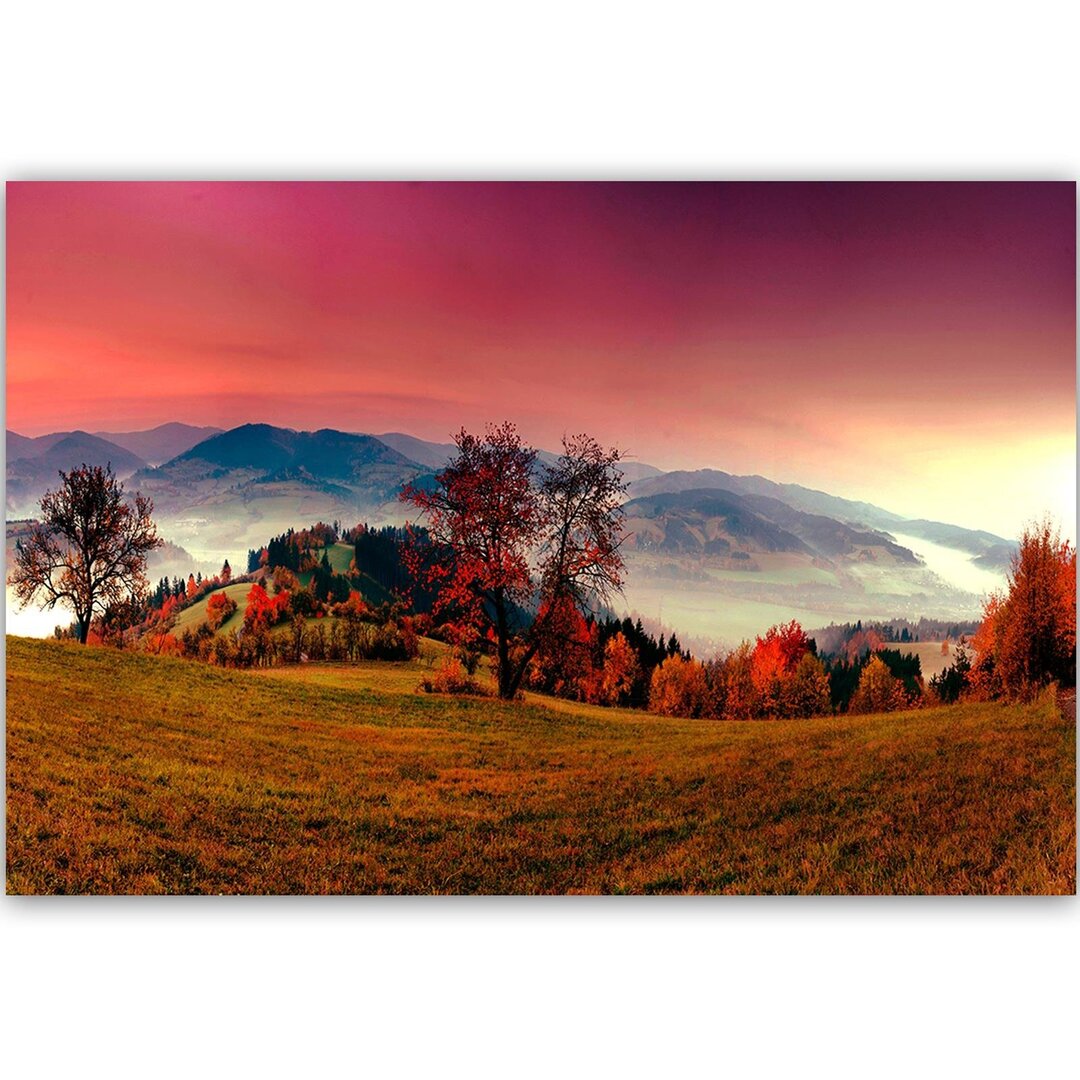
(192, 616)
(340, 556)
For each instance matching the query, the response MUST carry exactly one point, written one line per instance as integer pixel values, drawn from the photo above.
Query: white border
(518, 987)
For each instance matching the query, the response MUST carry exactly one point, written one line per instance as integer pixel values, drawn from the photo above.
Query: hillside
(718, 522)
(231, 491)
(340, 556)
(129, 773)
(719, 567)
(991, 552)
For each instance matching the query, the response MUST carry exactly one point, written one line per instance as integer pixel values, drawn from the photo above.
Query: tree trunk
(502, 630)
(519, 673)
(82, 629)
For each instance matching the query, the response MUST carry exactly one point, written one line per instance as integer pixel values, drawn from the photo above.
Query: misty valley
(713, 556)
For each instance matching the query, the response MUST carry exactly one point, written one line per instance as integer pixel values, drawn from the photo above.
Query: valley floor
(135, 774)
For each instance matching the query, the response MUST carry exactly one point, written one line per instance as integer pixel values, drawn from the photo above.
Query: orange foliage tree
(620, 672)
(734, 684)
(1028, 635)
(218, 608)
(773, 663)
(679, 688)
(563, 663)
(806, 690)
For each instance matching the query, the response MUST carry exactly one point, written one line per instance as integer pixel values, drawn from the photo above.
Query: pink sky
(913, 344)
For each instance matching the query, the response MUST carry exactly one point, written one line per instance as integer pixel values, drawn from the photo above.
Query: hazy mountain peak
(158, 444)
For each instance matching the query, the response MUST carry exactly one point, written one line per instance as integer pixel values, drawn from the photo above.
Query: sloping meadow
(136, 774)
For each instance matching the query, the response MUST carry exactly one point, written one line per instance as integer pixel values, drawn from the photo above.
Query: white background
(762, 987)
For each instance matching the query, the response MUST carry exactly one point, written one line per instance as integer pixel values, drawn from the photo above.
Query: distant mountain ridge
(326, 453)
(33, 465)
(237, 487)
(437, 455)
(296, 474)
(989, 551)
(160, 444)
(716, 522)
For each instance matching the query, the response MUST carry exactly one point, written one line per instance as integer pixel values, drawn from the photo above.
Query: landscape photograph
(540, 538)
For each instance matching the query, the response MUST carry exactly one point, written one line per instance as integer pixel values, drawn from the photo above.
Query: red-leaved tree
(507, 536)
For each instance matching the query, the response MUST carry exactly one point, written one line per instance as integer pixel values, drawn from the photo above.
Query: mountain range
(698, 541)
(713, 521)
(158, 445)
(437, 455)
(33, 463)
(989, 551)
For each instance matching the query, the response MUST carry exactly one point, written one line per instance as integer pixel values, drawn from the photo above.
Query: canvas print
(540, 538)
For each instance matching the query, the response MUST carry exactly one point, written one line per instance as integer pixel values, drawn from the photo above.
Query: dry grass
(130, 773)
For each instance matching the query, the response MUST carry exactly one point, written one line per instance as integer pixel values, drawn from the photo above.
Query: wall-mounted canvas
(541, 538)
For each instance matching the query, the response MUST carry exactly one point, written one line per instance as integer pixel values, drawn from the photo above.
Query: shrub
(225, 650)
(451, 679)
(390, 641)
(284, 580)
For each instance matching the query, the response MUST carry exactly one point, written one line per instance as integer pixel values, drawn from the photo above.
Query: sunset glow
(881, 341)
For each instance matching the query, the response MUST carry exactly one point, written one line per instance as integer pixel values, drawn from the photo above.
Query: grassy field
(929, 654)
(191, 617)
(130, 773)
(340, 556)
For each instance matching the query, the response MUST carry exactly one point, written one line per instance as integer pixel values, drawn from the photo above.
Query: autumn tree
(88, 551)
(620, 672)
(734, 680)
(507, 535)
(774, 660)
(218, 608)
(263, 612)
(1028, 635)
(679, 688)
(806, 690)
(563, 663)
(879, 689)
